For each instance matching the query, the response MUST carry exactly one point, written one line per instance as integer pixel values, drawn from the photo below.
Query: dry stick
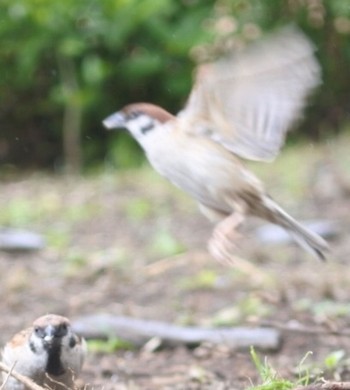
(138, 332)
(21, 378)
(162, 265)
(336, 386)
(7, 376)
(238, 263)
(326, 386)
(305, 329)
(57, 382)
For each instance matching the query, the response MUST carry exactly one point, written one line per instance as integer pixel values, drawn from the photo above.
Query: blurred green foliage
(110, 345)
(93, 56)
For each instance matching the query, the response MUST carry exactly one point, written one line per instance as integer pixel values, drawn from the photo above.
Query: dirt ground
(129, 244)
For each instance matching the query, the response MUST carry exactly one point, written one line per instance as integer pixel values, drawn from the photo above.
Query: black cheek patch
(72, 342)
(146, 128)
(32, 347)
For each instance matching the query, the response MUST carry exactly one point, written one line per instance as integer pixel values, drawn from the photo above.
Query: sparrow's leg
(222, 243)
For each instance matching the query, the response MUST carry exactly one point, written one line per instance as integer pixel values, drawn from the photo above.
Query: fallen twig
(199, 257)
(163, 265)
(21, 378)
(300, 328)
(326, 386)
(138, 332)
(336, 386)
(8, 374)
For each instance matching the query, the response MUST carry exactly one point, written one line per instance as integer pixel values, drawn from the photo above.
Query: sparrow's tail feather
(308, 240)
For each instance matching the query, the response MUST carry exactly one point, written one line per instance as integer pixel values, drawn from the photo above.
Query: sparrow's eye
(133, 114)
(62, 330)
(39, 331)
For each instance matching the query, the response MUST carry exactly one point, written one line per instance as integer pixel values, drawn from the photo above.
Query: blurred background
(66, 64)
(109, 238)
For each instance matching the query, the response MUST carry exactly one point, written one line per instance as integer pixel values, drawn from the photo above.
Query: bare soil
(129, 244)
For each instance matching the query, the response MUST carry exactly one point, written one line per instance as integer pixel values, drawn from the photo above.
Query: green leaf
(205, 279)
(332, 360)
(110, 345)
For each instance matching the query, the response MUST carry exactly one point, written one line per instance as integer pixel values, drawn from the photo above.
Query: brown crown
(151, 110)
(50, 319)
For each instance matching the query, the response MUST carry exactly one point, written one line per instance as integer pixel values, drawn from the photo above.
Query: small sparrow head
(52, 335)
(50, 329)
(138, 118)
(48, 352)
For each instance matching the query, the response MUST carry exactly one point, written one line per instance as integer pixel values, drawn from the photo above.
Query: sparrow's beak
(50, 333)
(114, 121)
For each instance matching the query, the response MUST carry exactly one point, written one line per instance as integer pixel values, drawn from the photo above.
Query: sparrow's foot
(222, 244)
(222, 251)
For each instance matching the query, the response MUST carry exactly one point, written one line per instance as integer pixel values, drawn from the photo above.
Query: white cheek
(137, 126)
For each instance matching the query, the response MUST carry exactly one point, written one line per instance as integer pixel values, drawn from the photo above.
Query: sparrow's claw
(220, 252)
(222, 247)
(222, 243)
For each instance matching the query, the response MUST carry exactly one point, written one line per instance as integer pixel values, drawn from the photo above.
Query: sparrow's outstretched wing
(252, 97)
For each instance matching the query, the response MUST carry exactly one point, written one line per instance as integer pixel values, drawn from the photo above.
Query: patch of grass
(333, 360)
(19, 213)
(270, 378)
(204, 279)
(108, 346)
(333, 365)
(22, 212)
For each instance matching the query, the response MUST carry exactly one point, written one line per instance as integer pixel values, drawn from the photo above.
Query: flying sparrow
(48, 352)
(241, 107)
